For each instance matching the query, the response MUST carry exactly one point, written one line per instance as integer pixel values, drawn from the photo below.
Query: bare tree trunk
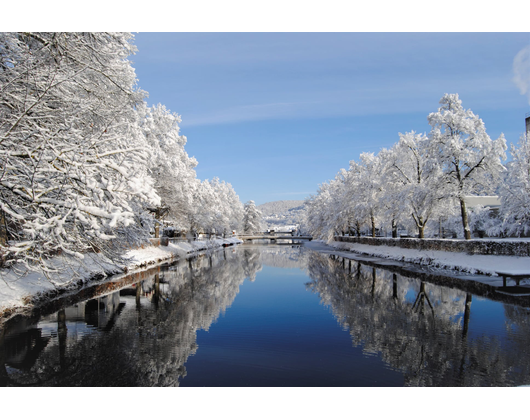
(465, 223)
(420, 224)
(421, 230)
(372, 219)
(394, 228)
(3, 229)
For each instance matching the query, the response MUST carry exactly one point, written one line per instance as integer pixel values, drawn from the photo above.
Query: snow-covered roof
(483, 200)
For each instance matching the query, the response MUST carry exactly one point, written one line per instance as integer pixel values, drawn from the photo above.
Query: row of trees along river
(424, 179)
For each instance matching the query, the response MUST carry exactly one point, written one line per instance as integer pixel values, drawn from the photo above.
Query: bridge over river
(273, 236)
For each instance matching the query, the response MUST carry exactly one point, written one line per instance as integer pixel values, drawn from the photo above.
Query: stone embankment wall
(474, 247)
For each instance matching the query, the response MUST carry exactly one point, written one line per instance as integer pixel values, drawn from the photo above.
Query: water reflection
(420, 329)
(141, 335)
(142, 329)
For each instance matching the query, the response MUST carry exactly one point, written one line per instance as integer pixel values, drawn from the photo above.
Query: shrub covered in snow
(474, 246)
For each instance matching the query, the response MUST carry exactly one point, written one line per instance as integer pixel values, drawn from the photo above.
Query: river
(270, 315)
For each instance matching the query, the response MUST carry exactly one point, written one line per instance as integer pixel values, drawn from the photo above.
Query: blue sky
(276, 114)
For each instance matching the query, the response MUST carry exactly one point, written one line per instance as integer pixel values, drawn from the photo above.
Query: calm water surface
(271, 316)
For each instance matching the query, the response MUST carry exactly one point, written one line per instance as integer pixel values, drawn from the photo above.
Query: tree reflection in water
(144, 333)
(141, 335)
(425, 335)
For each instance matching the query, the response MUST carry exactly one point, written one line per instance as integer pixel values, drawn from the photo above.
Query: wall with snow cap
(511, 247)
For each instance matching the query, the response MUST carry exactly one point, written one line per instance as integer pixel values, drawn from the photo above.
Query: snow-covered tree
(471, 162)
(171, 167)
(390, 202)
(418, 182)
(327, 212)
(251, 218)
(206, 208)
(341, 212)
(73, 171)
(515, 192)
(217, 208)
(365, 188)
(412, 179)
(231, 211)
(348, 201)
(314, 217)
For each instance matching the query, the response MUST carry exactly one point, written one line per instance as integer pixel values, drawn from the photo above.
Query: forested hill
(278, 214)
(277, 207)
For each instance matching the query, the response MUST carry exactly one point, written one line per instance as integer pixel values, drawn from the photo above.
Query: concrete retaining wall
(475, 247)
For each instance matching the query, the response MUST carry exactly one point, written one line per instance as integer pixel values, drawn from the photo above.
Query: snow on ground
(482, 264)
(153, 255)
(18, 287)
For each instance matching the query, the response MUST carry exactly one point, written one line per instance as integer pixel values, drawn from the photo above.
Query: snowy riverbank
(459, 261)
(19, 289)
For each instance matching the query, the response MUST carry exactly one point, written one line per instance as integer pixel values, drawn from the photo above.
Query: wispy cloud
(387, 97)
(521, 70)
(295, 193)
(249, 113)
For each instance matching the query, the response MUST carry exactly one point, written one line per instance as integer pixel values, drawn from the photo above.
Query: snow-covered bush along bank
(474, 247)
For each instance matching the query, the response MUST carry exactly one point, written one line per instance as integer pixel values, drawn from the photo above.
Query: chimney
(527, 119)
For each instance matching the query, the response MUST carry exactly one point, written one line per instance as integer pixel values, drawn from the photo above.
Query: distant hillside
(276, 207)
(285, 213)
